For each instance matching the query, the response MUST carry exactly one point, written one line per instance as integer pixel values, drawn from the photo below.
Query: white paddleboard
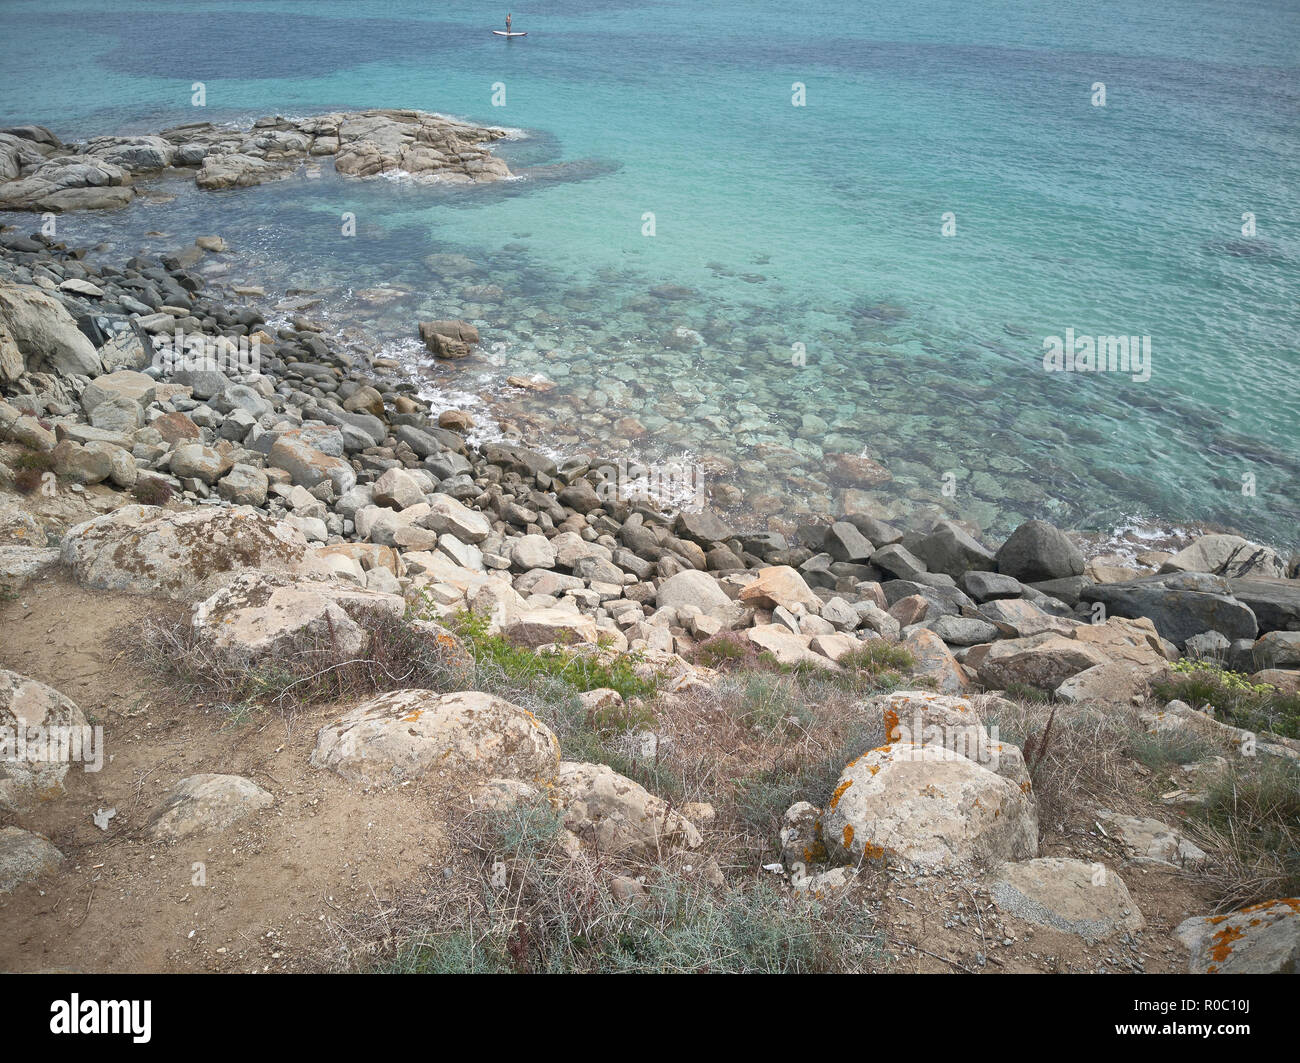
(503, 33)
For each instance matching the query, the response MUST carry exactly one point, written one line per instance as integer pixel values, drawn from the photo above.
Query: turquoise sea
(778, 225)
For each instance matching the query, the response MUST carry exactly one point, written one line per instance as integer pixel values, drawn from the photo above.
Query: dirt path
(270, 890)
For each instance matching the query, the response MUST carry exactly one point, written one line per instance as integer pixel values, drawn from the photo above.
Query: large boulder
(1043, 661)
(1115, 684)
(844, 542)
(205, 804)
(398, 489)
(47, 721)
(925, 718)
(244, 485)
(19, 427)
(927, 806)
(195, 461)
(449, 339)
(931, 657)
(1017, 618)
(466, 738)
(261, 615)
(951, 550)
(617, 816)
(1037, 551)
(1226, 555)
(1279, 649)
(135, 154)
(238, 170)
(788, 648)
(307, 466)
(1275, 602)
(123, 383)
(702, 526)
(1260, 939)
(692, 587)
(1178, 613)
(147, 550)
(67, 182)
(1088, 900)
(541, 627)
(448, 515)
(19, 565)
(46, 333)
(780, 585)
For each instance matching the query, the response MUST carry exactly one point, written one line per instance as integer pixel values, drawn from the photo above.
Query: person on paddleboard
(507, 23)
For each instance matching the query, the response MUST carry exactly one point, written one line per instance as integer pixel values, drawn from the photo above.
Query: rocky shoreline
(348, 455)
(281, 488)
(39, 172)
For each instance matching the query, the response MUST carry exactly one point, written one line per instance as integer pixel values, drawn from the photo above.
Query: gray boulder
(46, 333)
(1038, 551)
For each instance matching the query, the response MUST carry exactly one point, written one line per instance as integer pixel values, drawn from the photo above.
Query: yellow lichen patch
(1026, 786)
(873, 852)
(848, 835)
(413, 717)
(839, 792)
(874, 768)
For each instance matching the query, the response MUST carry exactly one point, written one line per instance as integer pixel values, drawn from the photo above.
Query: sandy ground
(260, 896)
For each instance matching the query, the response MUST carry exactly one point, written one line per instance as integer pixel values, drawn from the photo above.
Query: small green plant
(878, 657)
(579, 670)
(765, 701)
(724, 649)
(1024, 692)
(1239, 702)
(39, 460)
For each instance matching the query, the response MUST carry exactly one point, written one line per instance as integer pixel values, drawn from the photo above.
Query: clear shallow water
(817, 225)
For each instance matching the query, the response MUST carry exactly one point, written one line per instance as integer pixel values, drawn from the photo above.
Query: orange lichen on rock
(848, 835)
(1223, 943)
(891, 723)
(839, 792)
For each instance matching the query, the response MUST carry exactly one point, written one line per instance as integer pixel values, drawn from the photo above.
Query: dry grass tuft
(514, 899)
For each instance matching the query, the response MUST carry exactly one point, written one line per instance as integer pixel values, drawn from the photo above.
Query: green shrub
(579, 670)
(37, 460)
(1238, 701)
